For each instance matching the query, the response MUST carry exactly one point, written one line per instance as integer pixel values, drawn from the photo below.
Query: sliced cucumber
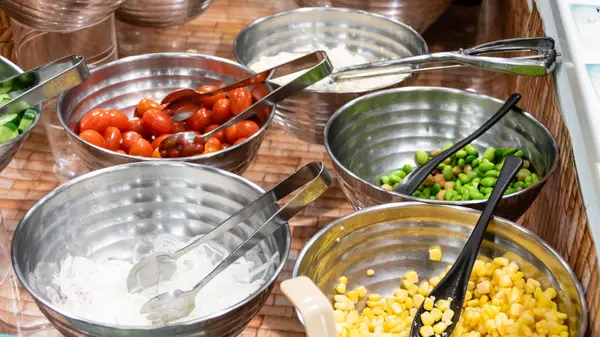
(4, 98)
(28, 118)
(8, 131)
(10, 118)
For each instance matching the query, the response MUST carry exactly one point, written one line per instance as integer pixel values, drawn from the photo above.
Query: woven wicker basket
(6, 37)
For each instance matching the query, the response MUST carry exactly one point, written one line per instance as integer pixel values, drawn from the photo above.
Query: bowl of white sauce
(350, 37)
(73, 250)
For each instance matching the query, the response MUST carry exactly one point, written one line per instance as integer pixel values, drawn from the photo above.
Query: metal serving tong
(311, 181)
(48, 81)
(539, 64)
(317, 63)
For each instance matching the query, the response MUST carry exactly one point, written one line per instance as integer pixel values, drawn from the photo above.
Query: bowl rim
(38, 108)
(377, 16)
(399, 205)
(118, 168)
(527, 115)
(70, 132)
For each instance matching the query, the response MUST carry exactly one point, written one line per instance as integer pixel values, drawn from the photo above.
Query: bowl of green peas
(376, 140)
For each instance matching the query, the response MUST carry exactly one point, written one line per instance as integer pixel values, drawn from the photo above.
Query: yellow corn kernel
(501, 261)
(374, 297)
(339, 316)
(448, 314)
(370, 272)
(505, 281)
(426, 331)
(435, 253)
(428, 304)
(418, 300)
(483, 288)
(439, 328)
(443, 305)
(435, 280)
(436, 313)
(401, 294)
(353, 296)
(412, 277)
(343, 280)
(362, 291)
(396, 308)
(412, 289)
(408, 303)
(424, 288)
(341, 306)
(341, 288)
(352, 317)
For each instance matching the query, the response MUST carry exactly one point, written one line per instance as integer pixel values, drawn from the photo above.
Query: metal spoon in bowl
(411, 182)
(158, 267)
(454, 284)
(312, 180)
(189, 143)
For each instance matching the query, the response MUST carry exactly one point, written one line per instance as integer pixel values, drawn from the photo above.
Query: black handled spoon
(411, 182)
(454, 284)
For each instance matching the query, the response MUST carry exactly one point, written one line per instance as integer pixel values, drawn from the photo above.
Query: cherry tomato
(260, 91)
(156, 142)
(129, 138)
(200, 120)
(121, 151)
(146, 104)
(156, 154)
(97, 119)
(245, 129)
(118, 119)
(157, 122)
(183, 106)
(231, 133)
(211, 149)
(221, 111)
(136, 125)
(178, 127)
(224, 146)
(112, 136)
(210, 101)
(213, 141)
(240, 140)
(93, 137)
(141, 147)
(220, 135)
(240, 100)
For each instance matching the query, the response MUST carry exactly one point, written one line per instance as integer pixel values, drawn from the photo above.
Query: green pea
(458, 184)
(528, 181)
(441, 166)
(394, 186)
(400, 174)
(432, 197)
(394, 179)
(453, 162)
(421, 187)
(535, 178)
(435, 189)
(447, 172)
(519, 185)
(421, 157)
(456, 197)
(492, 173)
(498, 153)
(407, 168)
(385, 180)
(417, 194)
(519, 154)
(461, 163)
(471, 151)
(523, 173)
(499, 166)
(488, 181)
(509, 190)
(475, 182)
(470, 158)
(472, 175)
(449, 194)
(435, 152)
(426, 192)
(508, 152)
(489, 154)
(485, 166)
(464, 178)
(475, 163)
(461, 154)
(446, 147)
(465, 193)
(477, 196)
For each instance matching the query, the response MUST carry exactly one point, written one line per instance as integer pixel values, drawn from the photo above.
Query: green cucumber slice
(10, 118)
(8, 131)
(27, 120)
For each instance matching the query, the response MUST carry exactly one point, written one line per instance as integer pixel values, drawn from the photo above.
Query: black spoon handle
(420, 173)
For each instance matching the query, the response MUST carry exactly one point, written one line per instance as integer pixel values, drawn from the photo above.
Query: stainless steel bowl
(378, 133)
(161, 13)
(394, 238)
(122, 83)
(59, 15)
(10, 148)
(416, 13)
(103, 214)
(307, 29)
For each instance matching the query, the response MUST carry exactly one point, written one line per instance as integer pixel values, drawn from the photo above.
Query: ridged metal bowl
(59, 15)
(395, 238)
(379, 133)
(304, 30)
(161, 13)
(416, 13)
(10, 148)
(103, 214)
(122, 83)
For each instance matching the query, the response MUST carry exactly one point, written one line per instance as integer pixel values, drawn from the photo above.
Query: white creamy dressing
(340, 57)
(97, 290)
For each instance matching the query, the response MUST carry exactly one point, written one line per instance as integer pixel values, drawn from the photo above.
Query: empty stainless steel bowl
(103, 214)
(161, 13)
(395, 238)
(416, 13)
(378, 133)
(307, 29)
(59, 15)
(10, 148)
(122, 83)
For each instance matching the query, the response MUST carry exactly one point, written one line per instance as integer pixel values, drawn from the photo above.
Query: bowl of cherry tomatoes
(115, 117)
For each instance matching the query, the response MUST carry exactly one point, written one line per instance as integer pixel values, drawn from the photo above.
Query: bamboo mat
(558, 217)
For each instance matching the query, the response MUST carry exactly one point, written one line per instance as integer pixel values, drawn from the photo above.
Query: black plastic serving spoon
(411, 182)
(454, 284)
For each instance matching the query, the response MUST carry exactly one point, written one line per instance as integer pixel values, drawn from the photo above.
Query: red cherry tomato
(224, 146)
(240, 100)
(200, 120)
(93, 137)
(221, 111)
(157, 122)
(146, 104)
(210, 101)
(156, 154)
(141, 147)
(120, 151)
(231, 134)
(211, 149)
(260, 91)
(178, 127)
(118, 119)
(245, 129)
(97, 119)
(240, 140)
(136, 125)
(112, 136)
(213, 141)
(156, 142)
(220, 135)
(129, 138)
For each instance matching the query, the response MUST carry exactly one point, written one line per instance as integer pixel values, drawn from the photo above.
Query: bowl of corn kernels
(378, 265)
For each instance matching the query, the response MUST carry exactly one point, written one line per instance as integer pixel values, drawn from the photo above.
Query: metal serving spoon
(158, 267)
(454, 284)
(411, 182)
(187, 143)
(37, 85)
(312, 180)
